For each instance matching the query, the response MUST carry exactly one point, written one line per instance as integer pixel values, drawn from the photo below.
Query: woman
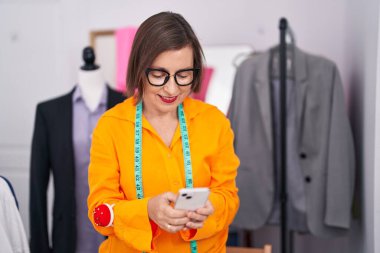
(157, 142)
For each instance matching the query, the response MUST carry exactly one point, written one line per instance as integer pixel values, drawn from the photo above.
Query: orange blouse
(111, 178)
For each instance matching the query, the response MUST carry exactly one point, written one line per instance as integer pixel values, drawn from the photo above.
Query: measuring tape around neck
(185, 150)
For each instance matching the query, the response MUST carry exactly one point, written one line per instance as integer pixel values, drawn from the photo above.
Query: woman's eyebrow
(159, 68)
(164, 69)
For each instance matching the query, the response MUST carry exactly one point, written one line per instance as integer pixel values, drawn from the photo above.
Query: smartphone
(191, 198)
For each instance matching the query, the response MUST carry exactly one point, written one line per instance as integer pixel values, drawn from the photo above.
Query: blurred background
(41, 43)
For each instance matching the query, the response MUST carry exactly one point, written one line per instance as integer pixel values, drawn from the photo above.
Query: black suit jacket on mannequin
(52, 151)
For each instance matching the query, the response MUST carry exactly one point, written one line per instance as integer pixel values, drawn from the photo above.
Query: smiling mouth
(168, 100)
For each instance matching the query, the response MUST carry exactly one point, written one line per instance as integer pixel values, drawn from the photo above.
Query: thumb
(170, 197)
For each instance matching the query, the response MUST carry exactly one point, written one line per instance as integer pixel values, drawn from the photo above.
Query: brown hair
(161, 32)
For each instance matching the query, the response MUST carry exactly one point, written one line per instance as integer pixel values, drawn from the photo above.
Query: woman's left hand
(198, 217)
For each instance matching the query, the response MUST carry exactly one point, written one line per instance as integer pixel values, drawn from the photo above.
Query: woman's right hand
(164, 215)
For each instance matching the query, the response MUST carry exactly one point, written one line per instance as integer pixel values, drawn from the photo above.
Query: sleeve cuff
(155, 232)
(153, 226)
(188, 235)
(132, 224)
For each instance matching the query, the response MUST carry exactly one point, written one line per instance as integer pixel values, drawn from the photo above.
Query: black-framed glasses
(159, 77)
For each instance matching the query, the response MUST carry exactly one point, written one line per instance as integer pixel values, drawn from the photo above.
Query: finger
(194, 225)
(170, 212)
(170, 197)
(209, 205)
(207, 210)
(196, 216)
(179, 222)
(204, 211)
(173, 228)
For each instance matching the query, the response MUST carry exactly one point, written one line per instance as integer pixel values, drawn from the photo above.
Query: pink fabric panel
(124, 41)
(207, 74)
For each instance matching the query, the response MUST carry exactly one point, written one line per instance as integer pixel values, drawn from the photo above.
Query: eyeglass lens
(160, 77)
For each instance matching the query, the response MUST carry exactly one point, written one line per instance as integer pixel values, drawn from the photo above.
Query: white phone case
(191, 198)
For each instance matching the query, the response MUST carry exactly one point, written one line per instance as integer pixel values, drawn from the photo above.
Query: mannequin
(91, 80)
(60, 149)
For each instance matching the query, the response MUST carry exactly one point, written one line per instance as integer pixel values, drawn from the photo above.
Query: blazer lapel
(262, 86)
(301, 85)
(113, 98)
(67, 127)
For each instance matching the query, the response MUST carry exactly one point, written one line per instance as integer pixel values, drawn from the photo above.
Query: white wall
(41, 43)
(376, 178)
(28, 73)
(362, 58)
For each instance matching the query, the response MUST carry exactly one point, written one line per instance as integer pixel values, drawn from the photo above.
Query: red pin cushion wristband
(103, 215)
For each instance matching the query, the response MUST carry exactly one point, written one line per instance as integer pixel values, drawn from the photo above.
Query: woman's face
(166, 98)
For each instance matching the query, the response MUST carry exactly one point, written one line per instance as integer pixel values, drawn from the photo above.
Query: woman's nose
(171, 86)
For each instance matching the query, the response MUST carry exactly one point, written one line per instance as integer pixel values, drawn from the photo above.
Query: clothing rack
(285, 245)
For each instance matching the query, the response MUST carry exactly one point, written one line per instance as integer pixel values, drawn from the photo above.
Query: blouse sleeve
(131, 222)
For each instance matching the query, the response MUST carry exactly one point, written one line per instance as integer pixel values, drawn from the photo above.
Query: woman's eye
(185, 74)
(157, 74)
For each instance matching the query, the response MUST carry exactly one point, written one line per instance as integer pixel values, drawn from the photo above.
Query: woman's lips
(168, 100)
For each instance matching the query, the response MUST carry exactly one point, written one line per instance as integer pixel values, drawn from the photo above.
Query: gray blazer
(326, 149)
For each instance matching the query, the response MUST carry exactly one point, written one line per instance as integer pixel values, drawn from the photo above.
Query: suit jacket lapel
(67, 127)
(301, 84)
(113, 98)
(262, 86)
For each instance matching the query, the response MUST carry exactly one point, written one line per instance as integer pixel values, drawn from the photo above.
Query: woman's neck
(152, 114)
(165, 123)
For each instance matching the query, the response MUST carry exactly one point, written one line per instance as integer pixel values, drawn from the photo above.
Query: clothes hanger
(239, 58)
